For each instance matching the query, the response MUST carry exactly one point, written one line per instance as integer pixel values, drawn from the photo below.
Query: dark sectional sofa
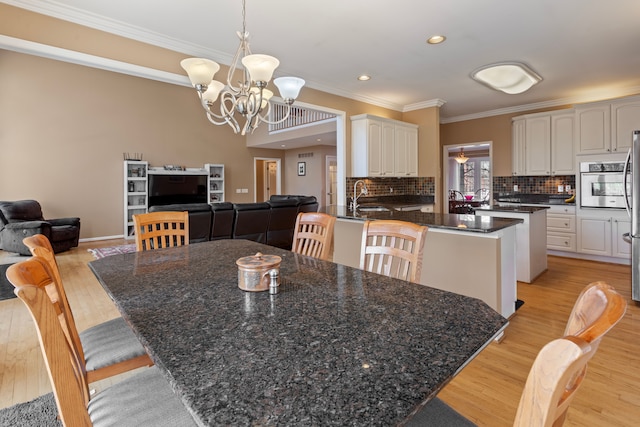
(269, 222)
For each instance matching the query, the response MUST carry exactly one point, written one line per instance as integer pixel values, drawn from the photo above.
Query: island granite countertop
(336, 346)
(465, 223)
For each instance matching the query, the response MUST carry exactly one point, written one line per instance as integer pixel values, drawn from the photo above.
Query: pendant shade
(289, 87)
(200, 70)
(260, 67)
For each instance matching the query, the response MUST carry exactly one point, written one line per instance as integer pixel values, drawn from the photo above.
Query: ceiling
(584, 50)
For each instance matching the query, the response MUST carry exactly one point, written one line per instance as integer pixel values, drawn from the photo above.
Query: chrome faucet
(363, 191)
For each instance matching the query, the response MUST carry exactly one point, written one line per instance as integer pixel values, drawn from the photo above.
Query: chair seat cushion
(145, 399)
(108, 343)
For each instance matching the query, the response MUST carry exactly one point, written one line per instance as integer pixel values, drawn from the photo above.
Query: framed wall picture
(302, 168)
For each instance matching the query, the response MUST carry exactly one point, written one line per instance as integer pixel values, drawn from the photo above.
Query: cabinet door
(517, 147)
(594, 236)
(374, 148)
(387, 151)
(621, 248)
(593, 129)
(538, 145)
(562, 151)
(625, 118)
(406, 152)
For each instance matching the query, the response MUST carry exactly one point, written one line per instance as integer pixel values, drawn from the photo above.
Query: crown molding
(71, 56)
(425, 104)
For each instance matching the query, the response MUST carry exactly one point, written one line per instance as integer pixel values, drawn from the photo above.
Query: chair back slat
(161, 229)
(393, 248)
(63, 367)
(313, 234)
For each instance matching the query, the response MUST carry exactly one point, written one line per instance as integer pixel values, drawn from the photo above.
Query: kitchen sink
(372, 209)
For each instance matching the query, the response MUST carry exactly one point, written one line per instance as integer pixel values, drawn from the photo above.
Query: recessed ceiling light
(364, 77)
(508, 77)
(437, 39)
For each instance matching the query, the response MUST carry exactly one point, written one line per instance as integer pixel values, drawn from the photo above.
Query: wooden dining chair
(393, 248)
(313, 234)
(560, 367)
(143, 399)
(104, 350)
(164, 229)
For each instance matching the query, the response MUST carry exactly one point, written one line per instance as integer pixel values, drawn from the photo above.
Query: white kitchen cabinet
(406, 151)
(563, 153)
(383, 147)
(605, 127)
(603, 236)
(594, 236)
(561, 228)
(538, 145)
(544, 144)
(593, 132)
(620, 248)
(517, 147)
(625, 118)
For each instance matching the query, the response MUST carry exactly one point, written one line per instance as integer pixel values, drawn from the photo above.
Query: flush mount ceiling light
(437, 39)
(461, 158)
(508, 77)
(250, 98)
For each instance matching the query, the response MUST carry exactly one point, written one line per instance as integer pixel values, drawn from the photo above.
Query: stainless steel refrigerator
(632, 165)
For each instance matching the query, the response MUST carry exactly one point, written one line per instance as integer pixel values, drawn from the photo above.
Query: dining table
(331, 345)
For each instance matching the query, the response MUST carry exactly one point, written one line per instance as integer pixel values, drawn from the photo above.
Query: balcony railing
(299, 117)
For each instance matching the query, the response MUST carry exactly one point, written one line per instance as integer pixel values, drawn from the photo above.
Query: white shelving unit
(135, 192)
(215, 187)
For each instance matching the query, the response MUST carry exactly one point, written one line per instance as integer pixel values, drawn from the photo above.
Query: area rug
(6, 288)
(39, 412)
(113, 250)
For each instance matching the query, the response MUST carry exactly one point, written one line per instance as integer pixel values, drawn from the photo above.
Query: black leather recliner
(222, 220)
(24, 218)
(251, 221)
(199, 218)
(282, 222)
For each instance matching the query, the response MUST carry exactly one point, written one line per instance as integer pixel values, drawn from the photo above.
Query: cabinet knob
(566, 224)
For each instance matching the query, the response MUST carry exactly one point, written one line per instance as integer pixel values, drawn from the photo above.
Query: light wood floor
(487, 391)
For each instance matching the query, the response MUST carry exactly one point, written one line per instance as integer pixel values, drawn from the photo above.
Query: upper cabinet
(606, 127)
(383, 147)
(543, 144)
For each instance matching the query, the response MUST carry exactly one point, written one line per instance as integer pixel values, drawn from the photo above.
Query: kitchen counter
(466, 254)
(518, 209)
(462, 223)
(534, 199)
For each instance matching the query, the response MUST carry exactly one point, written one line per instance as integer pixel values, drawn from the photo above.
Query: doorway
(467, 183)
(268, 181)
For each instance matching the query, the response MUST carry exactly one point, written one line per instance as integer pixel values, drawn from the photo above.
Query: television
(172, 189)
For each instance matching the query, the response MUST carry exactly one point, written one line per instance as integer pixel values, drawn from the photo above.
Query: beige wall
(314, 182)
(64, 127)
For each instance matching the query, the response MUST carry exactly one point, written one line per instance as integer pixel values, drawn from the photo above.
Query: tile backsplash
(395, 186)
(534, 184)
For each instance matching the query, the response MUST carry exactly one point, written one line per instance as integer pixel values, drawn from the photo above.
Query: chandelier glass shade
(249, 100)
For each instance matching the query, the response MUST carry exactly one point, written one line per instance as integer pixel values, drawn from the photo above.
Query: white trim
(65, 55)
(278, 163)
(95, 239)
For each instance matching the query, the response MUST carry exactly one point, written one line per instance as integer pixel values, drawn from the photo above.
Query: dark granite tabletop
(336, 345)
(466, 223)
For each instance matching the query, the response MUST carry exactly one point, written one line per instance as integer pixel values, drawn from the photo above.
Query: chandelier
(249, 98)
(461, 158)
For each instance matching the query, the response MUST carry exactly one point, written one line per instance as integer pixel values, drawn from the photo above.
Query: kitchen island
(531, 237)
(466, 254)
